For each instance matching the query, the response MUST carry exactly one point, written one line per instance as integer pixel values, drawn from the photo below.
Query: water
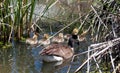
(22, 58)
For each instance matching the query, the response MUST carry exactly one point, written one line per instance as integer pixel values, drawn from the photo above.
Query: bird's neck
(73, 41)
(74, 37)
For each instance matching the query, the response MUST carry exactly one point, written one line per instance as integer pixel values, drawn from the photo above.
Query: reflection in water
(37, 65)
(13, 66)
(45, 67)
(37, 62)
(22, 60)
(54, 67)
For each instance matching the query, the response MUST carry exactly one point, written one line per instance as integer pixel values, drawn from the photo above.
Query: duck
(58, 39)
(82, 35)
(67, 36)
(33, 40)
(59, 52)
(44, 41)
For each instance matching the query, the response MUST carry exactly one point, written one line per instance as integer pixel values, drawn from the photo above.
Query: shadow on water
(13, 58)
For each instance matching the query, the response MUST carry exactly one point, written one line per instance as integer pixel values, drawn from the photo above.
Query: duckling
(33, 40)
(58, 39)
(58, 51)
(67, 36)
(45, 41)
(82, 36)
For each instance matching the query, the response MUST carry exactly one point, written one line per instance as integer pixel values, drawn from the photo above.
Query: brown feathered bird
(58, 51)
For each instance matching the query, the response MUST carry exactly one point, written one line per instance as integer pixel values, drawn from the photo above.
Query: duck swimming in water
(67, 36)
(45, 41)
(33, 40)
(58, 39)
(58, 51)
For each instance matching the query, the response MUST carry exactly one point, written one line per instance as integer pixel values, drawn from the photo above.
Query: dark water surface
(22, 58)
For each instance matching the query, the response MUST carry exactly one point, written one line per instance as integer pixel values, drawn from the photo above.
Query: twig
(95, 54)
(70, 65)
(10, 27)
(10, 33)
(117, 68)
(36, 24)
(84, 21)
(78, 69)
(110, 44)
(99, 17)
(53, 4)
(97, 65)
(113, 30)
(1, 23)
(98, 46)
(112, 60)
(88, 64)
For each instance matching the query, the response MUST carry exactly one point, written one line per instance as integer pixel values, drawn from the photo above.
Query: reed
(16, 14)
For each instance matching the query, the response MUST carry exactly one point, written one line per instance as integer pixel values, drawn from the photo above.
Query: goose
(45, 41)
(58, 39)
(33, 40)
(80, 37)
(59, 52)
(74, 33)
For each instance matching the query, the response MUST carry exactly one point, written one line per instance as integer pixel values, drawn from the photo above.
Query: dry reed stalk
(112, 62)
(98, 16)
(97, 65)
(106, 46)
